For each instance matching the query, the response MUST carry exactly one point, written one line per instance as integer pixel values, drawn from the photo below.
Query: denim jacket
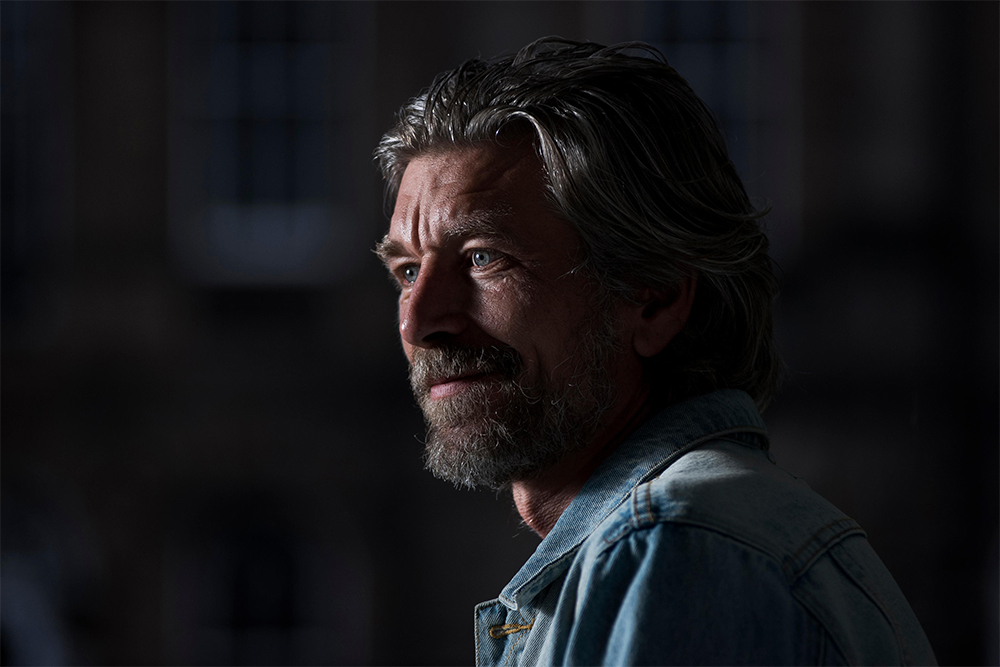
(690, 546)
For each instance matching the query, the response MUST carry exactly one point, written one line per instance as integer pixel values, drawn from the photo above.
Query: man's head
(552, 215)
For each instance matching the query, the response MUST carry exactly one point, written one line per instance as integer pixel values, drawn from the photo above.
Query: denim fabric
(690, 546)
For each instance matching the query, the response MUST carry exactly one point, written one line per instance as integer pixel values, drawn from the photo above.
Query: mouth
(445, 387)
(445, 372)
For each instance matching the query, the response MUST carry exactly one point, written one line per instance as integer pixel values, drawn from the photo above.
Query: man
(585, 302)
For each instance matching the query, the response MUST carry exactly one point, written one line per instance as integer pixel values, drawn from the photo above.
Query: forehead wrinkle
(405, 222)
(450, 204)
(418, 222)
(477, 223)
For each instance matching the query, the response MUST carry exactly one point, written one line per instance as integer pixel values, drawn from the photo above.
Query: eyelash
(493, 255)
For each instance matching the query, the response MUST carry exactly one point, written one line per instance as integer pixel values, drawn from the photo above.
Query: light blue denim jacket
(690, 546)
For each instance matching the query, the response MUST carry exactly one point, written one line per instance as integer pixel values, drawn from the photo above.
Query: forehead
(478, 187)
(478, 168)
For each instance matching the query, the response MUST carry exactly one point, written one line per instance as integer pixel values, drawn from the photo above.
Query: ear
(661, 314)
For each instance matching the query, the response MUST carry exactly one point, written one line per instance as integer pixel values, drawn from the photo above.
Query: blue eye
(410, 273)
(481, 257)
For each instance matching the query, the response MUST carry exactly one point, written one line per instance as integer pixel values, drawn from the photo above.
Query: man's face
(510, 354)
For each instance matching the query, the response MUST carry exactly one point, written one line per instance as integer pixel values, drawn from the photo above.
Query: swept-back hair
(636, 162)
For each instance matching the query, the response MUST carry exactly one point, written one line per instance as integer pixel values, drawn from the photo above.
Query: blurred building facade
(209, 450)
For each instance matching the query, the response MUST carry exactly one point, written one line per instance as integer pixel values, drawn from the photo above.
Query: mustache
(431, 365)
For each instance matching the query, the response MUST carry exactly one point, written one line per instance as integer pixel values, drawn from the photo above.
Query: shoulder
(725, 533)
(738, 493)
(651, 589)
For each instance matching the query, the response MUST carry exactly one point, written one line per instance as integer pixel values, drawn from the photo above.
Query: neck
(541, 500)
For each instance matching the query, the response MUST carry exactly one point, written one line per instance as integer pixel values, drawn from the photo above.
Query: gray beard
(503, 429)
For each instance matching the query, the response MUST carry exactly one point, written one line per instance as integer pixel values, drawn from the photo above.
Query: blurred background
(210, 454)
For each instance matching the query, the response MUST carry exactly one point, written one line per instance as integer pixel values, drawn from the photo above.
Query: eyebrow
(388, 249)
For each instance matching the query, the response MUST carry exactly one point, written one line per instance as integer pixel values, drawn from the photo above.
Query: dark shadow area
(210, 452)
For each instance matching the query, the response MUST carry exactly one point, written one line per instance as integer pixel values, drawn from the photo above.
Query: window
(267, 144)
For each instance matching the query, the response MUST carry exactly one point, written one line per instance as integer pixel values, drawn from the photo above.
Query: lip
(449, 386)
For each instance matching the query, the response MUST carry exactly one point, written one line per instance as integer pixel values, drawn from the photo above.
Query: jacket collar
(671, 433)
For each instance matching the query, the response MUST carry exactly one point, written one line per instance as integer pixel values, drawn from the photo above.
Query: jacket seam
(820, 544)
(797, 593)
(803, 596)
(861, 581)
(628, 529)
(828, 652)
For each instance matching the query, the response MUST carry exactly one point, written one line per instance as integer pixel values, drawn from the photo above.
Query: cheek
(499, 309)
(541, 327)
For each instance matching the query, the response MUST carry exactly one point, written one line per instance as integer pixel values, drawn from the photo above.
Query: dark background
(209, 450)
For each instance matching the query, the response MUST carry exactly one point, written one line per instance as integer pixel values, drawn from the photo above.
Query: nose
(434, 308)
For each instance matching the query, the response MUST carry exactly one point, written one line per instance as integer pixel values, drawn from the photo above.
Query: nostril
(434, 331)
(439, 338)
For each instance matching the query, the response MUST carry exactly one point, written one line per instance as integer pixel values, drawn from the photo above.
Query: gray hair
(636, 162)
